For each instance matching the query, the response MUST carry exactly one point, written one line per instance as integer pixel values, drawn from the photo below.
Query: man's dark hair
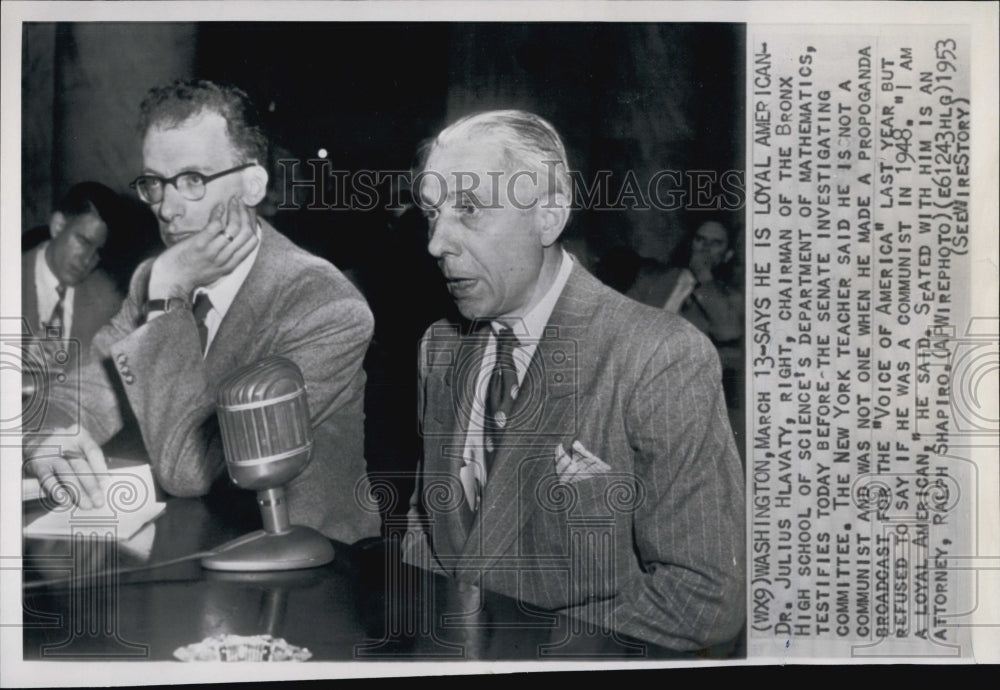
(92, 197)
(169, 106)
(682, 254)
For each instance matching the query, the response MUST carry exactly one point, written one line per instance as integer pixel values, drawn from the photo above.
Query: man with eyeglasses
(227, 291)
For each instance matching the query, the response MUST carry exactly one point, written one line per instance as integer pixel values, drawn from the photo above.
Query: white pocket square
(578, 464)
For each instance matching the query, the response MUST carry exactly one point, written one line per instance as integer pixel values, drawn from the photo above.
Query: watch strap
(164, 305)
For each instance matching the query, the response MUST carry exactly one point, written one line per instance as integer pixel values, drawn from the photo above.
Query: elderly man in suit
(576, 452)
(64, 295)
(227, 291)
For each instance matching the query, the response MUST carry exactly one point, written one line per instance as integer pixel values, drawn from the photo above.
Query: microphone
(264, 417)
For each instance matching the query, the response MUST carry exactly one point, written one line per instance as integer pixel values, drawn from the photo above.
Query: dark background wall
(626, 97)
(639, 97)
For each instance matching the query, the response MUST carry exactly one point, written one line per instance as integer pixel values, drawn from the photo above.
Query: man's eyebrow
(200, 169)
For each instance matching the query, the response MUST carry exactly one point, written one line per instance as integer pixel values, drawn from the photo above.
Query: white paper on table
(130, 502)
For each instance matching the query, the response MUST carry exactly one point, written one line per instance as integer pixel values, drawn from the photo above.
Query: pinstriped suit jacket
(655, 547)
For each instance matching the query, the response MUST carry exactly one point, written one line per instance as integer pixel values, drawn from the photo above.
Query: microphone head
(264, 417)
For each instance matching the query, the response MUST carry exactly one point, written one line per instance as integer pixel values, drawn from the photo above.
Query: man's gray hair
(529, 142)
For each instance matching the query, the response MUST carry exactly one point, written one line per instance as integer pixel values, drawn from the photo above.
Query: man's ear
(57, 223)
(553, 214)
(254, 185)
(728, 255)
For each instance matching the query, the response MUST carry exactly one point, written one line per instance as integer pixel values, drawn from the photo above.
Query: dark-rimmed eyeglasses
(190, 184)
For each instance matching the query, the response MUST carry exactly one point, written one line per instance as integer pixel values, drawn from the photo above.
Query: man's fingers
(215, 221)
(47, 479)
(238, 238)
(219, 233)
(98, 466)
(58, 479)
(93, 453)
(83, 473)
(234, 252)
(236, 221)
(243, 250)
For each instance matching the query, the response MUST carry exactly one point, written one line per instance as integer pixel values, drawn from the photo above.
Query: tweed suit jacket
(95, 301)
(653, 548)
(291, 304)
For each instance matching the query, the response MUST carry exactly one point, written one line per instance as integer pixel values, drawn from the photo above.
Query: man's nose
(171, 205)
(442, 239)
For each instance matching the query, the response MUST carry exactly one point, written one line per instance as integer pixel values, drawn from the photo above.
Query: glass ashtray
(242, 648)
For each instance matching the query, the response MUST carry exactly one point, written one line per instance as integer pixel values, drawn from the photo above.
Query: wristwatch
(164, 305)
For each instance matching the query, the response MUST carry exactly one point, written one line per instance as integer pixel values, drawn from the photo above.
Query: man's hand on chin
(204, 257)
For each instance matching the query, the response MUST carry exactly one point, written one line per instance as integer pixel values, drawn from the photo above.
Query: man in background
(700, 288)
(64, 295)
(227, 291)
(559, 405)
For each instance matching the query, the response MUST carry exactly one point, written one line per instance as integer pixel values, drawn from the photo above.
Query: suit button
(121, 358)
(129, 379)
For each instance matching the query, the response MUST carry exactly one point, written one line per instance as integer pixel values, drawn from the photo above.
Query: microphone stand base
(298, 547)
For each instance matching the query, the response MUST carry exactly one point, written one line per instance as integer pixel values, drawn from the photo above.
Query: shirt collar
(532, 325)
(223, 291)
(44, 275)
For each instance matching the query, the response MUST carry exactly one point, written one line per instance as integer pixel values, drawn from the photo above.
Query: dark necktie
(55, 322)
(202, 305)
(500, 395)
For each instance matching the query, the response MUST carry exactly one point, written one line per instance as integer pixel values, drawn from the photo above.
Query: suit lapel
(83, 313)
(29, 295)
(452, 367)
(548, 395)
(79, 314)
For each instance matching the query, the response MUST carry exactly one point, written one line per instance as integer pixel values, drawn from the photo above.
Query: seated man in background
(64, 295)
(700, 289)
(562, 415)
(227, 291)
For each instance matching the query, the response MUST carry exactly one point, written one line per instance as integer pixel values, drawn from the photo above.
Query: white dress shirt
(528, 330)
(45, 288)
(222, 293)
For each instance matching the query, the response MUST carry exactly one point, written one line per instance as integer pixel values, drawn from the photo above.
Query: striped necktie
(202, 305)
(55, 322)
(500, 396)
